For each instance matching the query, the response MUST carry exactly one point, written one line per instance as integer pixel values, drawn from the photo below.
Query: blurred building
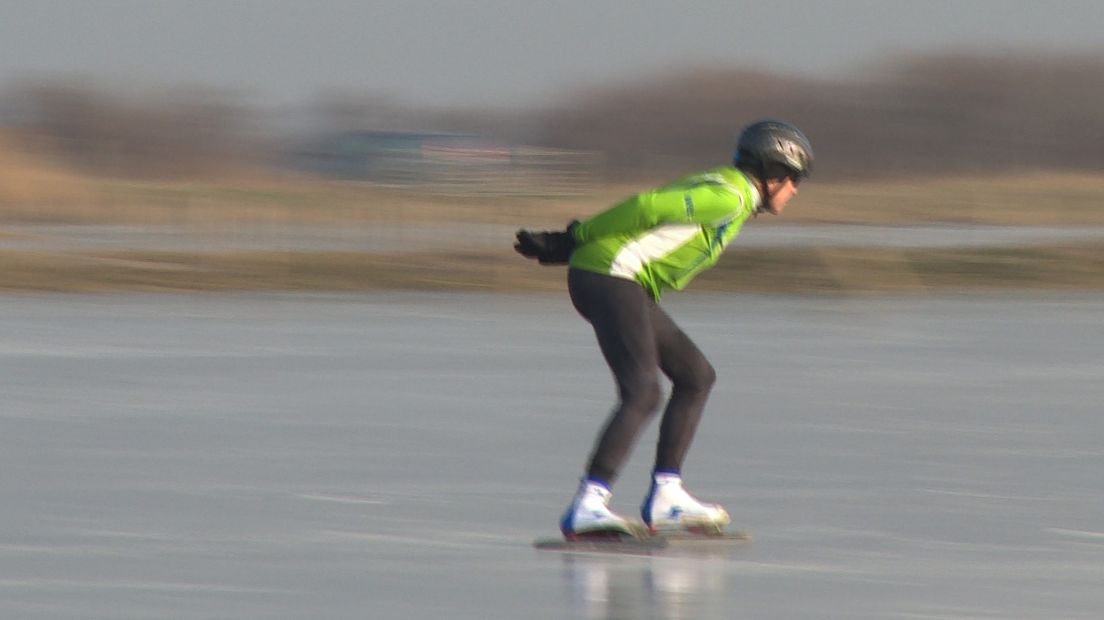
(447, 163)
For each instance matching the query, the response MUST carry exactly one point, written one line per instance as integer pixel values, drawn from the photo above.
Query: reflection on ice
(673, 588)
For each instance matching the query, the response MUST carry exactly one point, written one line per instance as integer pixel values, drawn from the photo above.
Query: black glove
(549, 248)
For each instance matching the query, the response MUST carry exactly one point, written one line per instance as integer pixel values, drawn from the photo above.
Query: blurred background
(254, 145)
(906, 419)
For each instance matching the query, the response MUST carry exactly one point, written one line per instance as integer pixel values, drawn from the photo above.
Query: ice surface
(394, 456)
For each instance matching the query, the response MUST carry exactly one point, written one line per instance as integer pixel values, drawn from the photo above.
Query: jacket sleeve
(696, 202)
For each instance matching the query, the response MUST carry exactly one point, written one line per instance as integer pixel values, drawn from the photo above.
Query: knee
(700, 377)
(708, 376)
(643, 395)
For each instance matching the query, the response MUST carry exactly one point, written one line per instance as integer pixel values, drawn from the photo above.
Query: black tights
(637, 337)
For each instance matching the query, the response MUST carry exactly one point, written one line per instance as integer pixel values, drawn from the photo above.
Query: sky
(498, 53)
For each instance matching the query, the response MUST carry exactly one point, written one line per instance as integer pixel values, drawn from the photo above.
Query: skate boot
(589, 515)
(669, 507)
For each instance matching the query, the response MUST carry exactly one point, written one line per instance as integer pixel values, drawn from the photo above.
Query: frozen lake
(394, 456)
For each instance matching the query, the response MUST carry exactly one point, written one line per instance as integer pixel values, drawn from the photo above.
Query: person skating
(620, 263)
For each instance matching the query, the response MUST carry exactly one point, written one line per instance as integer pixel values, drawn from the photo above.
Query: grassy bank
(39, 194)
(35, 195)
(797, 270)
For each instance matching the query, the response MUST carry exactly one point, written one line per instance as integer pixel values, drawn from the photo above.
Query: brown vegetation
(910, 116)
(952, 114)
(953, 139)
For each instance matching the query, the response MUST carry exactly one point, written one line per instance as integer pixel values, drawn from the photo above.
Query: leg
(692, 378)
(668, 505)
(621, 314)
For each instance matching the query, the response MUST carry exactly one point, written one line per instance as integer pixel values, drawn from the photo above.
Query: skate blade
(611, 542)
(632, 530)
(637, 539)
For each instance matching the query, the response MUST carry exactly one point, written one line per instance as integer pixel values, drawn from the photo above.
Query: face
(781, 191)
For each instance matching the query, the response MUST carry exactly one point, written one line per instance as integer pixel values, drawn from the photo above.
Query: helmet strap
(765, 194)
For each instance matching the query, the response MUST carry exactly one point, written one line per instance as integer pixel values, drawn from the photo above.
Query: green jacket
(664, 237)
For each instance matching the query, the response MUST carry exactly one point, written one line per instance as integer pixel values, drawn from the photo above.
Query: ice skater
(620, 262)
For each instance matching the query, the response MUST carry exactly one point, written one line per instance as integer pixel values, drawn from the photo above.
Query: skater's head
(777, 157)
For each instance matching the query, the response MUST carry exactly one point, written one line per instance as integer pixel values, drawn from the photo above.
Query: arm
(703, 199)
(548, 247)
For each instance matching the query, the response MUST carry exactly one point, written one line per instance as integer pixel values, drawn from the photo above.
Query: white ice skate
(669, 507)
(589, 515)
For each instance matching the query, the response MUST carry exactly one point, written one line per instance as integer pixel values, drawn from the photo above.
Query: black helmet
(773, 149)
